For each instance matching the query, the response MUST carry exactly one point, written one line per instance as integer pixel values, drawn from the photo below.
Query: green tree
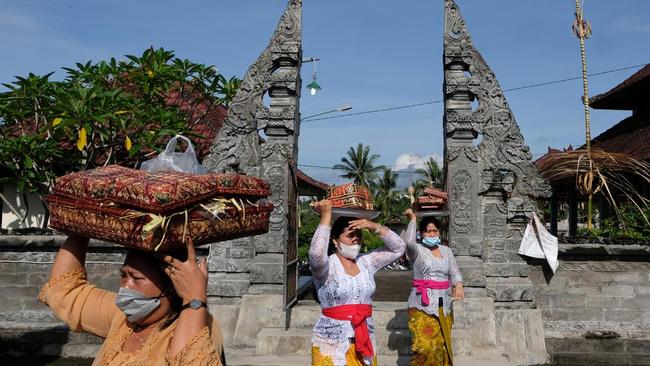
(359, 165)
(432, 173)
(385, 194)
(109, 112)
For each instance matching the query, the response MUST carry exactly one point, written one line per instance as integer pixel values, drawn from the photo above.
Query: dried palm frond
(603, 171)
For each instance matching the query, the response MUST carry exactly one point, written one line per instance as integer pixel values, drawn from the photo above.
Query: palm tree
(359, 165)
(385, 196)
(432, 173)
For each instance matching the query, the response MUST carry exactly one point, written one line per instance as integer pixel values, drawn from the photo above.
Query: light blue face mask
(136, 305)
(431, 241)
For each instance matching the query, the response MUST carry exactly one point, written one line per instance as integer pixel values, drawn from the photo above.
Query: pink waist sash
(421, 287)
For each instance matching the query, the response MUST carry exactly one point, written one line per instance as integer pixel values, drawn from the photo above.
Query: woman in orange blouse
(159, 316)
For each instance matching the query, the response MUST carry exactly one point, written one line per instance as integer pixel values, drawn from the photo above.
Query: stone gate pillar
(492, 185)
(264, 264)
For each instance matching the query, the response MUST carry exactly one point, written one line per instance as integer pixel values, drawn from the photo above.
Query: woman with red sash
(345, 285)
(435, 273)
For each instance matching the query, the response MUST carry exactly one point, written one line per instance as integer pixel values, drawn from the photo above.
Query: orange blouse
(86, 308)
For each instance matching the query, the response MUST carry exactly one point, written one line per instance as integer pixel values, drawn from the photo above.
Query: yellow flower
(121, 112)
(81, 143)
(127, 143)
(56, 122)
(150, 73)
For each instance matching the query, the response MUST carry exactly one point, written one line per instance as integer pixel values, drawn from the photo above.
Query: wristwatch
(194, 304)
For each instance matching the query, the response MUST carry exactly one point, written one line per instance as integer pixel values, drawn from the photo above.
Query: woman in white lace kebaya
(345, 285)
(435, 272)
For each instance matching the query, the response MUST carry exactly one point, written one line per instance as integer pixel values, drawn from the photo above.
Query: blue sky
(374, 54)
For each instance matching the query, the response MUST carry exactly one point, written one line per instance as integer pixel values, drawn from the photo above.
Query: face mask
(349, 251)
(431, 241)
(136, 305)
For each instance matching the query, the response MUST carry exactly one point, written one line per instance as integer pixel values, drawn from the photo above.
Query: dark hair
(429, 220)
(168, 287)
(337, 229)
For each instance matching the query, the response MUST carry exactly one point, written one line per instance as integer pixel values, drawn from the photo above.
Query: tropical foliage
(359, 165)
(102, 113)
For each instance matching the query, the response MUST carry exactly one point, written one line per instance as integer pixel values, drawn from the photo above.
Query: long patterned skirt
(352, 358)
(431, 339)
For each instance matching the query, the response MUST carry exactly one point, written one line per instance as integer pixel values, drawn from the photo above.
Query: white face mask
(349, 251)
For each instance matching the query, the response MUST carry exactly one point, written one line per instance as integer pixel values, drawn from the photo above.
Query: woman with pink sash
(344, 280)
(436, 281)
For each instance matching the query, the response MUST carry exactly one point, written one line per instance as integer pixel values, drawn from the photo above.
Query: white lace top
(335, 287)
(426, 266)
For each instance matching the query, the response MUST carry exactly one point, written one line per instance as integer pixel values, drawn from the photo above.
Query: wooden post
(554, 214)
(573, 212)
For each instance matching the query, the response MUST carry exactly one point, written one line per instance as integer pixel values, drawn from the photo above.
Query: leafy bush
(102, 113)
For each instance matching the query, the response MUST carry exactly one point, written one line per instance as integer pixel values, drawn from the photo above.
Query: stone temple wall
(596, 308)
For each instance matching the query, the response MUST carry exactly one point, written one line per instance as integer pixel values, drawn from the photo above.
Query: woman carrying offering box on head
(158, 317)
(345, 285)
(435, 272)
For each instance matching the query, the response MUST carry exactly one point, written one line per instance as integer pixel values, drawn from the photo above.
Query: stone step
(297, 342)
(485, 358)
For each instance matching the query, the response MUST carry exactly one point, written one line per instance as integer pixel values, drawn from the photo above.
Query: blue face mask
(136, 305)
(431, 241)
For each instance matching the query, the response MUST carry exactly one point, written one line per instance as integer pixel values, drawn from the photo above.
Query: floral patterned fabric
(429, 346)
(352, 358)
(156, 192)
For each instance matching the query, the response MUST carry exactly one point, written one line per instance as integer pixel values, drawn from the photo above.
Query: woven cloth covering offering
(350, 195)
(432, 199)
(159, 210)
(157, 192)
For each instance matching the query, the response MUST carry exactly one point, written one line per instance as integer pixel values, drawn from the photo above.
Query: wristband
(378, 229)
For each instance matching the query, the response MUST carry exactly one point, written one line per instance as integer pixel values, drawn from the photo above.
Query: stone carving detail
(502, 147)
(604, 266)
(470, 152)
(507, 183)
(462, 202)
(239, 147)
(519, 209)
(498, 180)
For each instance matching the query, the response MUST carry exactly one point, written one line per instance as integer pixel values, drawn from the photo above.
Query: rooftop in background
(629, 95)
(631, 135)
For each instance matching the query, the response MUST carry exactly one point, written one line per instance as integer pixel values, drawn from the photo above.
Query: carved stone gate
(267, 263)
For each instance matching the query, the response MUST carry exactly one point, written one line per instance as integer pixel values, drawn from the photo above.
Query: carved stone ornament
(502, 146)
(462, 202)
(238, 144)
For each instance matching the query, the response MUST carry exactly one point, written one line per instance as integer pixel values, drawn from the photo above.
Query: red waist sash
(357, 315)
(421, 287)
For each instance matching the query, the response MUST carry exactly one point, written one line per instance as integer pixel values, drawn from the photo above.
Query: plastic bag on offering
(169, 159)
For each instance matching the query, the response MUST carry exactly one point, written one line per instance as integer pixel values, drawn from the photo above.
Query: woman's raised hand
(324, 209)
(190, 278)
(410, 214)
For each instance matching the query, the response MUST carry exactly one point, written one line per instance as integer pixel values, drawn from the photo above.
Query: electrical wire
(536, 85)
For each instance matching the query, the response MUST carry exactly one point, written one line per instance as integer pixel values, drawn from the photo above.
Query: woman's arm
(318, 258)
(79, 304)
(190, 280)
(71, 255)
(386, 255)
(409, 236)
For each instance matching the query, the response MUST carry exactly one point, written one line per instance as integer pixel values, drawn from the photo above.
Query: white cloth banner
(539, 243)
